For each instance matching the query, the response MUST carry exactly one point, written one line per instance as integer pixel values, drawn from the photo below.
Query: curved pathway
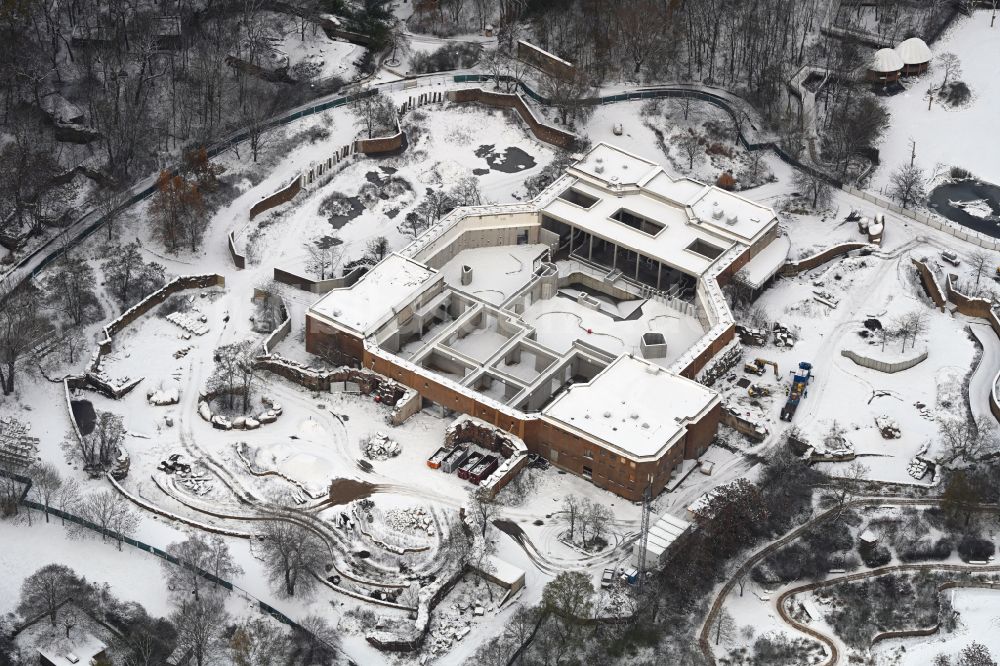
(832, 643)
(762, 553)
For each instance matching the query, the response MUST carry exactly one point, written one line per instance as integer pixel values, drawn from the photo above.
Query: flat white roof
(681, 190)
(613, 165)
(768, 261)
(497, 272)
(369, 301)
(633, 406)
(732, 215)
(669, 245)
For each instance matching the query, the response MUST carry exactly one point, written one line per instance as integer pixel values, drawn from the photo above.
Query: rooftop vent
(717, 211)
(732, 219)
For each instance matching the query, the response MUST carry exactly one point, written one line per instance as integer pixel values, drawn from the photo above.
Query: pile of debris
(163, 397)
(189, 324)
(380, 447)
(783, 337)
(221, 422)
(888, 427)
(751, 336)
(18, 450)
(416, 520)
(122, 464)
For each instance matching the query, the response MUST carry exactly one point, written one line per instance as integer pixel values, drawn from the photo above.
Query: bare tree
(45, 485)
(376, 112)
(725, 626)
(691, 147)
(571, 507)
(813, 185)
(100, 447)
(910, 325)
(71, 289)
(23, 329)
(111, 513)
(979, 262)
(598, 517)
(322, 259)
(67, 499)
(199, 623)
(483, 509)
(43, 592)
(195, 555)
(255, 113)
(258, 642)
(291, 555)
(906, 184)
(109, 203)
(376, 249)
(951, 67)
(235, 372)
(968, 440)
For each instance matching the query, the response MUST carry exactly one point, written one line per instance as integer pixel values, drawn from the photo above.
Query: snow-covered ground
(978, 621)
(951, 136)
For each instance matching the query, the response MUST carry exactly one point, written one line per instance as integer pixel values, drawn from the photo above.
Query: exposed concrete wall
(545, 61)
(883, 366)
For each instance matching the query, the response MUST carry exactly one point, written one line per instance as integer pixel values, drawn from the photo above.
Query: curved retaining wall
(930, 283)
(883, 366)
(809, 263)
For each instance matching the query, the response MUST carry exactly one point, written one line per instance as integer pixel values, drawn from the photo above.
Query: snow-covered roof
(767, 262)
(613, 166)
(662, 534)
(633, 406)
(366, 304)
(505, 572)
(73, 652)
(885, 60)
(668, 246)
(913, 51)
(731, 215)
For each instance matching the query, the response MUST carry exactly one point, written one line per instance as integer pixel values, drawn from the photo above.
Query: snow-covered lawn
(962, 136)
(978, 621)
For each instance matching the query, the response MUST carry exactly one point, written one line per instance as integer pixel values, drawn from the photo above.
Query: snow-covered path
(982, 380)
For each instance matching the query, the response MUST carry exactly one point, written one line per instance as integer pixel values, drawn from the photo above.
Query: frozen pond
(971, 203)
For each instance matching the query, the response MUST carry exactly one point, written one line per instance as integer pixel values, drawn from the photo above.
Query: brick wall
(930, 283)
(283, 195)
(809, 263)
(381, 145)
(542, 132)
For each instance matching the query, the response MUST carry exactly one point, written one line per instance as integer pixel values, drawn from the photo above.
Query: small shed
(915, 54)
(84, 651)
(885, 66)
(662, 534)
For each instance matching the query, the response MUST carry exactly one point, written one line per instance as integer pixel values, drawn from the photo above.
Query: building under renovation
(577, 322)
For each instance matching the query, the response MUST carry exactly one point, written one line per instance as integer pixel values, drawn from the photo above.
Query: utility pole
(913, 151)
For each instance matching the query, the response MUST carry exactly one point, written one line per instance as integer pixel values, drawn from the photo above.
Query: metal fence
(145, 547)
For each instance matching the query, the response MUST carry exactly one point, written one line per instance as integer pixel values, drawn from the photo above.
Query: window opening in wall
(588, 473)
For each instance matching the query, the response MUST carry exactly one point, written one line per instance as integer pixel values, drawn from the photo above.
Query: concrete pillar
(614, 257)
(590, 250)
(659, 273)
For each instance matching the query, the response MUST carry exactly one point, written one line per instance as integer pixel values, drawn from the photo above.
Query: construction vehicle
(757, 391)
(759, 367)
(800, 384)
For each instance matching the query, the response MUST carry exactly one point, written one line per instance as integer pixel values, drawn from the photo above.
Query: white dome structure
(915, 55)
(885, 61)
(885, 66)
